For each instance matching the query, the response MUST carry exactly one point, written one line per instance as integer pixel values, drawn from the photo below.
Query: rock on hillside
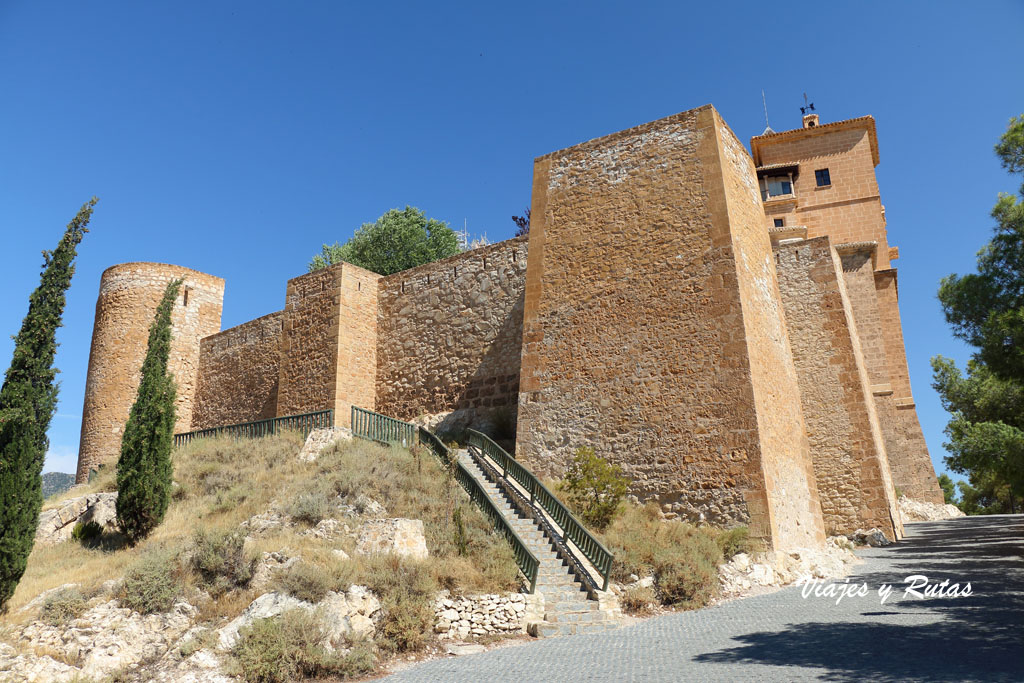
(919, 511)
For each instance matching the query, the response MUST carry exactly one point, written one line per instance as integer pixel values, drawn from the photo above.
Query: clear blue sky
(236, 137)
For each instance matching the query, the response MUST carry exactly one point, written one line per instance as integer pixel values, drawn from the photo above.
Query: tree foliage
(986, 309)
(144, 469)
(594, 487)
(522, 223)
(397, 241)
(28, 399)
(948, 489)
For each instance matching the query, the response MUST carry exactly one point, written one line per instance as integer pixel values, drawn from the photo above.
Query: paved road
(785, 637)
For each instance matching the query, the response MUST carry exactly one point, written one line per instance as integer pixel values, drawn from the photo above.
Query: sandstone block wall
(790, 488)
(848, 210)
(850, 462)
(328, 343)
(238, 374)
(450, 333)
(128, 298)
(638, 333)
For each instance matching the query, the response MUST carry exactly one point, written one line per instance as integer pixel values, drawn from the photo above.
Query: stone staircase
(568, 609)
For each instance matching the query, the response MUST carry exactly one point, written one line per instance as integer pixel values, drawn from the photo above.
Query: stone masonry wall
(916, 471)
(328, 342)
(357, 343)
(128, 298)
(450, 333)
(790, 489)
(634, 340)
(850, 461)
(238, 374)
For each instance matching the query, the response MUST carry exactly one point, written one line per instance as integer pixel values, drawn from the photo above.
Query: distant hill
(56, 482)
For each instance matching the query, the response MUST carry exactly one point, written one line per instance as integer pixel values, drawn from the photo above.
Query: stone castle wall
(450, 333)
(850, 461)
(634, 340)
(789, 486)
(238, 374)
(128, 298)
(645, 316)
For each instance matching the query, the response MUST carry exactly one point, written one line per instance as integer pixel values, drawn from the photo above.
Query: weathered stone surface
(128, 298)
(266, 606)
(653, 329)
(270, 564)
(238, 374)
(346, 616)
(921, 511)
(319, 439)
(872, 537)
(475, 615)
(399, 536)
(744, 574)
(450, 334)
(56, 524)
(108, 637)
(851, 464)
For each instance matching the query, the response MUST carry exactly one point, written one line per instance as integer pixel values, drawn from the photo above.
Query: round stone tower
(129, 296)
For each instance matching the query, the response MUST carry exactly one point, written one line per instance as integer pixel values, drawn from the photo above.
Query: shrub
(594, 488)
(61, 607)
(406, 591)
(220, 560)
(734, 541)
(683, 559)
(304, 581)
(88, 534)
(288, 647)
(638, 599)
(310, 507)
(151, 584)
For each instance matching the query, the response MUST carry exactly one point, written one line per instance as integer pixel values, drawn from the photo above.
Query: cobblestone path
(785, 637)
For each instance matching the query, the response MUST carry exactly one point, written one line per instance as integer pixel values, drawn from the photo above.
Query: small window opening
(359, 286)
(185, 297)
(821, 177)
(779, 222)
(455, 271)
(403, 288)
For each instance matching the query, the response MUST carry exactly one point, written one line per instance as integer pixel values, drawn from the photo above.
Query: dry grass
(257, 468)
(221, 483)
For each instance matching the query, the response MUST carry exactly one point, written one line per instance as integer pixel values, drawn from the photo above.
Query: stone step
(573, 617)
(574, 604)
(546, 630)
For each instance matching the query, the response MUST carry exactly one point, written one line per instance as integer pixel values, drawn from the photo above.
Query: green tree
(986, 309)
(594, 487)
(144, 469)
(397, 241)
(28, 399)
(948, 489)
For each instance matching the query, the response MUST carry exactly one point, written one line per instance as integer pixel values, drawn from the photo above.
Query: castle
(721, 323)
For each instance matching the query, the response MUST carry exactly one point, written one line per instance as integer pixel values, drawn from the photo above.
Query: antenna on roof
(808, 106)
(764, 102)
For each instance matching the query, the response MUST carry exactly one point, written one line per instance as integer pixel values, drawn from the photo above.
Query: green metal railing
(305, 423)
(592, 549)
(381, 428)
(527, 561)
(373, 426)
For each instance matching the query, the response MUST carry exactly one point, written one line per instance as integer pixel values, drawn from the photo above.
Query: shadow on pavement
(980, 637)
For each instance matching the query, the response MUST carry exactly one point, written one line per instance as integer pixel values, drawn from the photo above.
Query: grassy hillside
(198, 553)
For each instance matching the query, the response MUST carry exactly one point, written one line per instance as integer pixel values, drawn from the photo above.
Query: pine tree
(144, 469)
(28, 400)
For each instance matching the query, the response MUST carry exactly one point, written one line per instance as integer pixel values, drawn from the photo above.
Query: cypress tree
(28, 399)
(144, 469)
